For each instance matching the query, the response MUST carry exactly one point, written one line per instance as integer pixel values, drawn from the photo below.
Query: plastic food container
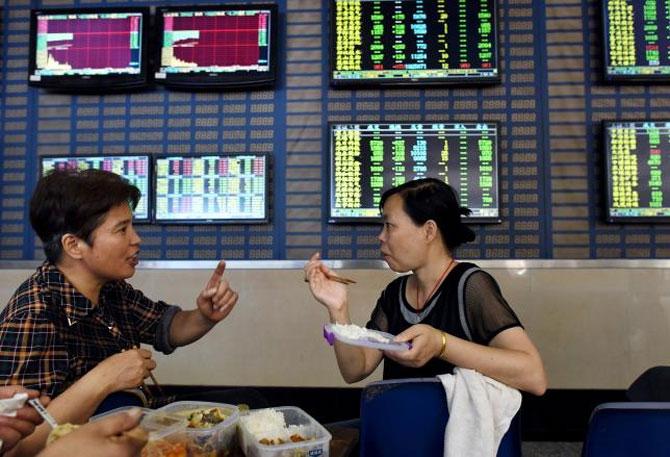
(383, 341)
(218, 440)
(316, 445)
(157, 424)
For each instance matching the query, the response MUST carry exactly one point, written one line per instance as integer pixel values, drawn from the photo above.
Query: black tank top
(441, 312)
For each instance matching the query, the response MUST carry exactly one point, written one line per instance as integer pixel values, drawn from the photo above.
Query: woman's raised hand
(331, 294)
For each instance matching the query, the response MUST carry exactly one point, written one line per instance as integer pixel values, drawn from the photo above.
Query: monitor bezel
(218, 81)
(113, 82)
(405, 82)
(481, 220)
(148, 196)
(210, 221)
(615, 78)
(607, 175)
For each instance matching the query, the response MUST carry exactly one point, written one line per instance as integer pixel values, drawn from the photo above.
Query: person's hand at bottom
(114, 436)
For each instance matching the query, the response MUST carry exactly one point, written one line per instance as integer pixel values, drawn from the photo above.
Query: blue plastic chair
(133, 397)
(639, 429)
(407, 417)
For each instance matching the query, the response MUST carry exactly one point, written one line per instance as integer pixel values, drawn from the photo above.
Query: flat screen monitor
(636, 40)
(368, 159)
(377, 42)
(637, 167)
(89, 49)
(213, 188)
(217, 46)
(136, 169)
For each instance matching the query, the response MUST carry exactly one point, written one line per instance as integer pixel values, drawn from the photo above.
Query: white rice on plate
(354, 332)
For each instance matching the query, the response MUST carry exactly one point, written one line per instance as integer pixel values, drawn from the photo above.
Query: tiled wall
(549, 105)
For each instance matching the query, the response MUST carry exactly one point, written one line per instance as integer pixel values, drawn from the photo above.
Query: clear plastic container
(317, 443)
(156, 423)
(219, 440)
(383, 341)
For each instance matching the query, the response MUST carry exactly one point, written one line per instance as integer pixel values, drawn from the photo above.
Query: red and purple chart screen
(216, 41)
(88, 44)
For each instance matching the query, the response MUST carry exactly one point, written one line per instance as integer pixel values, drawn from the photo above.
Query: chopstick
(158, 386)
(340, 279)
(153, 379)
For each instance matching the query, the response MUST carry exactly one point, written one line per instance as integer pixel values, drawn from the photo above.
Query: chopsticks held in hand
(153, 379)
(340, 279)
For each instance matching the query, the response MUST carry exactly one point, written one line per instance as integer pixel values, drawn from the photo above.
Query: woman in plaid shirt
(73, 329)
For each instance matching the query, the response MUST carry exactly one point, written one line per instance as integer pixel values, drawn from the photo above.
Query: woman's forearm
(356, 363)
(189, 326)
(518, 365)
(75, 405)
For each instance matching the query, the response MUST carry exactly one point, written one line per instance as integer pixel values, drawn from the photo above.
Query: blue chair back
(121, 398)
(639, 429)
(406, 417)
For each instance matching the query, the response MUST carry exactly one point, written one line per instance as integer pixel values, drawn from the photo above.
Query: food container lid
(183, 409)
(156, 423)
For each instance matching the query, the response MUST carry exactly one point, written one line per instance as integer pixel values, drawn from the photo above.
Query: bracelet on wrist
(443, 351)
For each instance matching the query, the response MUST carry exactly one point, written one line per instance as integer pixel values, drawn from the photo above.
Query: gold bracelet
(444, 345)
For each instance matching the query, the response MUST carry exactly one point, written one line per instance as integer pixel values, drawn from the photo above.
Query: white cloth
(9, 406)
(480, 412)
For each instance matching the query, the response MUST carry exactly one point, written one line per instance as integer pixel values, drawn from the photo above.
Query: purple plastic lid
(328, 335)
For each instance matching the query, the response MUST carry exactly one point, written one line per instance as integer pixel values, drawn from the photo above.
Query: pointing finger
(217, 275)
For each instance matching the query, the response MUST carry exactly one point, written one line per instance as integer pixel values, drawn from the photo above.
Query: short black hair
(429, 198)
(76, 202)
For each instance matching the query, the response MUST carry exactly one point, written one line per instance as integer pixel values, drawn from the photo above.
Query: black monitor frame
(607, 175)
(218, 80)
(148, 197)
(376, 220)
(113, 82)
(619, 78)
(404, 82)
(206, 221)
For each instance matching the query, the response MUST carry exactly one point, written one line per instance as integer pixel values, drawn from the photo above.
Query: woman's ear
(71, 246)
(430, 230)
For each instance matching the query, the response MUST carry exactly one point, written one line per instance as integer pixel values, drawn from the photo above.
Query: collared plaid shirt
(51, 335)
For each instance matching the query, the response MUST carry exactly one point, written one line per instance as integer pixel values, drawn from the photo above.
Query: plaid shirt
(51, 335)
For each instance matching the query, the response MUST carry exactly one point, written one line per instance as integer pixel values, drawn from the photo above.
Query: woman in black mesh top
(452, 312)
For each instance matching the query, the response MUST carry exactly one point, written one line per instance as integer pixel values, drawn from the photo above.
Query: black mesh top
(486, 311)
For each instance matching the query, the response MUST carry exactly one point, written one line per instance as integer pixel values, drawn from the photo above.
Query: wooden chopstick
(340, 279)
(158, 386)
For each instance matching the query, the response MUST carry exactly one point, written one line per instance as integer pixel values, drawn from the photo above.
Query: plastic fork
(48, 418)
